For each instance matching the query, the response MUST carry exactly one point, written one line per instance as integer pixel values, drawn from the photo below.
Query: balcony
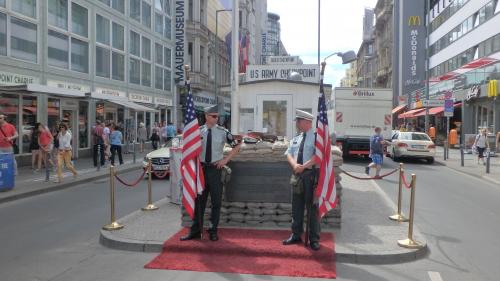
(383, 10)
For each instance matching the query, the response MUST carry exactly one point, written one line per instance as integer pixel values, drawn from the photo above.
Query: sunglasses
(214, 116)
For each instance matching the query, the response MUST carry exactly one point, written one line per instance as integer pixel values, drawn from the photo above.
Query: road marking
(435, 276)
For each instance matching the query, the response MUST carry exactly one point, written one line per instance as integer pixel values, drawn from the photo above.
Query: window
(135, 9)
(2, 3)
(58, 13)
(146, 14)
(83, 112)
(102, 32)
(167, 8)
(159, 5)
(29, 121)
(119, 5)
(58, 49)
(135, 71)
(102, 62)
(496, 43)
(118, 67)
(146, 74)
(168, 28)
(159, 53)
(118, 37)
(168, 58)
(23, 40)
(167, 78)
(158, 23)
(3, 34)
(107, 2)
(146, 48)
(25, 7)
(135, 44)
(159, 78)
(79, 55)
(79, 20)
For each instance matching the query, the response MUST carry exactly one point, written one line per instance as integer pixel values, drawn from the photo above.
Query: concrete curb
(343, 255)
(67, 184)
(458, 170)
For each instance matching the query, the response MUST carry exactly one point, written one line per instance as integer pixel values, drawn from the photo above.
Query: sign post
(448, 112)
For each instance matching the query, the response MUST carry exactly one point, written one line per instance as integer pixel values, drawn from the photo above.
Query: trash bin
(6, 171)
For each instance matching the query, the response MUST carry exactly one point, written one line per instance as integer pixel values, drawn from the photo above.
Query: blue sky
(341, 30)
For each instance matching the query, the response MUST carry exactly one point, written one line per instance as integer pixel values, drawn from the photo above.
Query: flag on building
(325, 191)
(243, 51)
(193, 181)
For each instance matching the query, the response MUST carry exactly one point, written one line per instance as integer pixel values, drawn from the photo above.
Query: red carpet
(248, 251)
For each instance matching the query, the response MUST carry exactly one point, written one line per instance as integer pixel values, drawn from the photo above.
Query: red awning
(398, 108)
(410, 114)
(436, 110)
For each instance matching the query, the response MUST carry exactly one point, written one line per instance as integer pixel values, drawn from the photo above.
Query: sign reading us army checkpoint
(309, 72)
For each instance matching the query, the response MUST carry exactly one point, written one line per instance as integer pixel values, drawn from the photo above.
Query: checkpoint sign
(448, 108)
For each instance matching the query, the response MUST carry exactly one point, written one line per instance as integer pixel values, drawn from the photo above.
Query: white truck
(355, 113)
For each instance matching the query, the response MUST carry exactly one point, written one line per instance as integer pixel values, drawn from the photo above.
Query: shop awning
(398, 108)
(411, 113)
(37, 88)
(436, 110)
(133, 105)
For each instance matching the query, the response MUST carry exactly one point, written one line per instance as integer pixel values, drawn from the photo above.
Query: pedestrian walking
(34, 147)
(213, 139)
(300, 156)
(8, 136)
(107, 145)
(171, 131)
(65, 153)
(376, 152)
(98, 142)
(116, 139)
(481, 143)
(46, 143)
(163, 133)
(143, 136)
(155, 136)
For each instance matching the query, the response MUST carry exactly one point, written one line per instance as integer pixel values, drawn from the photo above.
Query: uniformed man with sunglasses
(214, 137)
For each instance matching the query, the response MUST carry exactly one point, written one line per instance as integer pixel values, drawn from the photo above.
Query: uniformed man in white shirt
(300, 156)
(214, 137)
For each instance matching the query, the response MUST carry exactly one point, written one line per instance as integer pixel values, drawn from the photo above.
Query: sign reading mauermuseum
(7, 78)
(140, 98)
(309, 72)
(412, 46)
(180, 40)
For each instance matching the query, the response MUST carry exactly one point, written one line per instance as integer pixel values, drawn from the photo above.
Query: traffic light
(492, 88)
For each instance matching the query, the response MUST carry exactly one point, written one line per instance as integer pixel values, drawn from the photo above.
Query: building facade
(366, 70)
(350, 79)
(464, 55)
(272, 46)
(78, 61)
(384, 42)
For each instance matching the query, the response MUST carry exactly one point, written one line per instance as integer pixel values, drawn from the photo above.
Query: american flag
(193, 181)
(326, 191)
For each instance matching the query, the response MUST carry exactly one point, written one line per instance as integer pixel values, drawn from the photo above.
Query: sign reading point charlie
(309, 72)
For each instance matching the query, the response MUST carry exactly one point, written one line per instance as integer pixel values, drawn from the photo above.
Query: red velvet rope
(133, 184)
(370, 178)
(405, 183)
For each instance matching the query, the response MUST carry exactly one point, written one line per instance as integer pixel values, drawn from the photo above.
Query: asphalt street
(55, 236)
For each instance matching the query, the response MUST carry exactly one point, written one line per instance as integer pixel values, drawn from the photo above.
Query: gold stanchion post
(113, 225)
(399, 216)
(409, 242)
(150, 206)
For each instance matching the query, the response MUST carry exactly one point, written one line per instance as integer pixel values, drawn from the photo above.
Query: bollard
(98, 157)
(133, 151)
(113, 225)
(488, 160)
(462, 154)
(409, 242)
(399, 216)
(150, 206)
(444, 149)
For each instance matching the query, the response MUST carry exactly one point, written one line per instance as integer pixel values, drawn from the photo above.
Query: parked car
(160, 159)
(411, 145)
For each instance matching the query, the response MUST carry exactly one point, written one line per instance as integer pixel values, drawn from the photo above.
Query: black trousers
(299, 203)
(94, 154)
(116, 149)
(213, 186)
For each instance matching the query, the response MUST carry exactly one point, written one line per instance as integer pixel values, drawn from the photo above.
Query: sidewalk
(30, 183)
(470, 164)
(367, 236)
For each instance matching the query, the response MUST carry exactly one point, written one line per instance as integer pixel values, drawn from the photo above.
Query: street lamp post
(217, 48)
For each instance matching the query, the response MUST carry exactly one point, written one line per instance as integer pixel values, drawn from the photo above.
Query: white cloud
(341, 30)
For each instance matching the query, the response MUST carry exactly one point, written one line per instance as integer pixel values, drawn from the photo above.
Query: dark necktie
(208, 150)
(300, 156)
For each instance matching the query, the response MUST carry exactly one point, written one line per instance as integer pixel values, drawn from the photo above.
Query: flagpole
(235, 113)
